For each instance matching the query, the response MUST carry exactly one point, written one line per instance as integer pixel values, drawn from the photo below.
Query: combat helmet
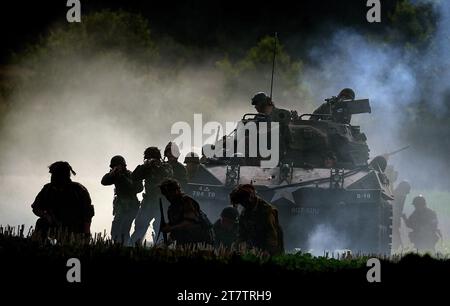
(261, 98)
(419, 200)
(241, 192)
(117, 160)
(347, 93)
(61, 169)
(152, 152)
(230, 213)
(169, 186)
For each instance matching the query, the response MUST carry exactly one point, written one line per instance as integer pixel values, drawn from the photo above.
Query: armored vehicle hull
(319, 209)
(327, 193)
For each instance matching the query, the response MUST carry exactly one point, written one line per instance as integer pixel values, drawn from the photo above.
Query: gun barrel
(162, 223)
(397, 151)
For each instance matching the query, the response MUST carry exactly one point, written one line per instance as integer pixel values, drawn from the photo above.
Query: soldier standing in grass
(125, 203)
(153, 171)
(424, 224)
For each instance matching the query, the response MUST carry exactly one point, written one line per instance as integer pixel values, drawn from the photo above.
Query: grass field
(164, 272)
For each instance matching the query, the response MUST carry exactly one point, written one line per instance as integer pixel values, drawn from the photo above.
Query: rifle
(162, 223)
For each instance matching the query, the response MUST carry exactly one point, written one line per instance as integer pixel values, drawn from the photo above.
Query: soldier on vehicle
(153, 171)
(187, 223)
(266, 107)
(258, 224)
(226, 228)
(62, 205)
(424, 224)
(172, 152)
(328, 111)
(125, 203)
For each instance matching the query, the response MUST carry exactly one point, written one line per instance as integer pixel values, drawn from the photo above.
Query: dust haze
(87, 108)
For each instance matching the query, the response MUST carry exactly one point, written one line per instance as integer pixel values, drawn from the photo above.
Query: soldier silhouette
(424, 224)
(62, 205)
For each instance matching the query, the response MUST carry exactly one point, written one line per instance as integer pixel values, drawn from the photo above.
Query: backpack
(206, 231)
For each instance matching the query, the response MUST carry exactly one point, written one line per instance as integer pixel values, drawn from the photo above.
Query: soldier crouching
(226, 228)
(258, 224)
(62, 205)
(187, 223)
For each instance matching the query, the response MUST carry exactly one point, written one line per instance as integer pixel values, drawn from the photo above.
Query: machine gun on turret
(340, 110)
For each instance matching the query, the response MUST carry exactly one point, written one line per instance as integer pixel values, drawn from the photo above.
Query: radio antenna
(273, 62)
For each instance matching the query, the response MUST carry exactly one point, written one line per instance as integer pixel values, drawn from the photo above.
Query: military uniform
(186, 209)
(259, 227)
(330, 111)
(153, 172)
(63, 204)
(223, 236)
(424, 224)
(125, 204)
(226, 229)
(324, 109)
(265, 107)
(283, 116)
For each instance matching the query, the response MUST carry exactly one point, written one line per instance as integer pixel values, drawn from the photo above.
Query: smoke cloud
(85, 109)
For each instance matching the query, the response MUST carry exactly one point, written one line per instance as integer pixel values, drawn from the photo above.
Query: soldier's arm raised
(108, 179)
(139, 173)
